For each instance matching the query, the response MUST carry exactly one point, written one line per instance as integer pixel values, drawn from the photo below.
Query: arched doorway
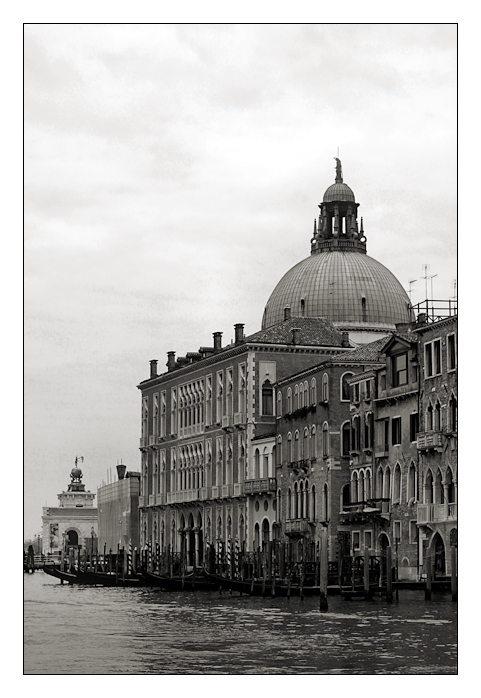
(256, 536)
(72, 538)
(190, 539)
(437, 546)
(265, 532)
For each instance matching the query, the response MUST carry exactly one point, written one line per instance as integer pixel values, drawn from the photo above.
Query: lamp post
(92, 532)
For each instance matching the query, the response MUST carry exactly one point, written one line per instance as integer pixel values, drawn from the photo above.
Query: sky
(172, 176)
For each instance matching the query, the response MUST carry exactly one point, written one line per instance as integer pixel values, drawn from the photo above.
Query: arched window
(345, 394)
(313, 392)
(429, 418)
(387, 483)
(313, 443)
(354, 488)
(289, 503)
(306, 394)
(355, 433)
(411, 488)
(305, 447)
(453, 413)
(397, 484)
(325, 440)
(294, 502)
(279, 404)
(289, 448)
(257, 456)
(267, 398)
(437, 416)
(296, 446)
(369, 430)
(428, 488)
(279, 450)
(313, 503)
(300, 506)
(379, 483)
(450, 489)
(265, 463)
(346, 439)
(367, 485)
(289, 400)
(438, 488)
(296, 397)
(325, 503)
(361, 487)
(325, 388)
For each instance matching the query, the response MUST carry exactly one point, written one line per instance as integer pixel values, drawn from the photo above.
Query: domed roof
(352, 290)
(338, 192)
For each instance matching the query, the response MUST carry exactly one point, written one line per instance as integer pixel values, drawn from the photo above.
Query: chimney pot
(345, 339)
(121, 471)
(296, 331)
(239, 333)
(170, 360)
(153, 368)
(217, 341)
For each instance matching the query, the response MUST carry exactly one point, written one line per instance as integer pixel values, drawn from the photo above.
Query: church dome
(339, 192)
(350, 289)
(339, 281)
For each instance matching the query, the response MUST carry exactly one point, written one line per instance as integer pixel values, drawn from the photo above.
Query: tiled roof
(367, 352)
(313, 332)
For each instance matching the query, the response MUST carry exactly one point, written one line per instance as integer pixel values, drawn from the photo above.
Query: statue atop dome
(76, 474)
(338, 171)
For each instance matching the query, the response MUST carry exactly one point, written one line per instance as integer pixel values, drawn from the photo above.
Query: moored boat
(108, 579)
(187, 583)
(258, 588)
(58, 574)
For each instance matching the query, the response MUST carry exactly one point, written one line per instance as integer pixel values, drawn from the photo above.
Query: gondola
(257, 588)
(187, 583)
(108, 580)
(58, 574)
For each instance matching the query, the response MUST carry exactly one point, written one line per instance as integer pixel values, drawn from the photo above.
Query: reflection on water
(95, 630)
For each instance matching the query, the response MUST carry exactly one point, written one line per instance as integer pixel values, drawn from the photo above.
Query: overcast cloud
(172, 176)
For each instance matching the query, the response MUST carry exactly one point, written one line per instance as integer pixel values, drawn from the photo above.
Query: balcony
(297, 526)
(143, 442)
(160, 499)
(300, 466)
(151, 500)
(227, 422)
(141, 501)
(205, 493)
(182, 496)
(240, 419)
(238, 489)
(216, 492)
(259, 486)
(227, 490)
(429, 439)
(436, 513)
(152, 440)
(376, 506)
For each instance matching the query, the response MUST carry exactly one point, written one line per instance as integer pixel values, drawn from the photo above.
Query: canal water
(96, 630)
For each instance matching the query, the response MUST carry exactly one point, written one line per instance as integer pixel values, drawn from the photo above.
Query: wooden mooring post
(454, 574)
(427, 589)
(388, 574)
(323, 569)
(366, 573)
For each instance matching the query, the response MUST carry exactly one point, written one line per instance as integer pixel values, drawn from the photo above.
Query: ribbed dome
(338, 192)
(352, 290)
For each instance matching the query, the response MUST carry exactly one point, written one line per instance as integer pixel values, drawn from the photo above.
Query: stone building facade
(118, 512)
(74, 522)
(437, 443)
(207, 443)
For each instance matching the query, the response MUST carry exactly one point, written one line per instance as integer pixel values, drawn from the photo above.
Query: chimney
(170, 360)
(217, 341)
(121, 471)
(296, 331)
(153, 368)
(239, 333)
(345, 339)
(287, 312)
